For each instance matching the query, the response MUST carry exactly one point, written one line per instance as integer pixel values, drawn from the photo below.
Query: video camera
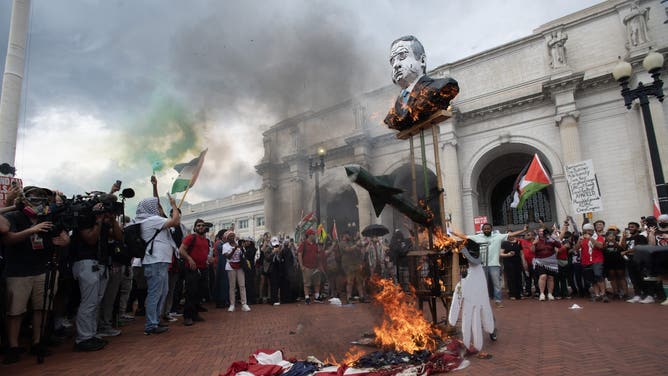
(79, 211)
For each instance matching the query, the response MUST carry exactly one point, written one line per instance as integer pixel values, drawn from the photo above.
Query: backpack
(135, 244)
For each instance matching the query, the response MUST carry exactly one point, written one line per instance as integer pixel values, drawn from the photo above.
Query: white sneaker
(550, 296)
(648, 300)
(231, 309)
(635, 299)
(665, 302)
(277, 304)
(542, 297)
(245, 308)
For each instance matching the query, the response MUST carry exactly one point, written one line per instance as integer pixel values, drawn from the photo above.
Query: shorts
(309, 275)
(22, 289)
(594, 273)
(613, 261)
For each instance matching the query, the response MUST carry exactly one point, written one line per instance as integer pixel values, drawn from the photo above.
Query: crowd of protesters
(596, 263)
(81, 282)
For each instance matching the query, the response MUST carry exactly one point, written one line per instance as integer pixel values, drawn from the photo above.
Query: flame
(349, 358)
(444, 242)
(404, 327)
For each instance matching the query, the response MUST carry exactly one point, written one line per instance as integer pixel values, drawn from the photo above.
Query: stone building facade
(549, 93)
(244, 210)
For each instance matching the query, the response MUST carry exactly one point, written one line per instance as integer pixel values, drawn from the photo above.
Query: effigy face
(406, 68)
(422, 96)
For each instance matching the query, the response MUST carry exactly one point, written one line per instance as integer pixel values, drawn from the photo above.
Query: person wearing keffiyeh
(157, 258)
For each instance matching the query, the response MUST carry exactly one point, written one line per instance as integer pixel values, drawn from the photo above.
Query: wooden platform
(434, 119)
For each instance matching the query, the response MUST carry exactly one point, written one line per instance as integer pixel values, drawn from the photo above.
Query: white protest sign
(582, 183)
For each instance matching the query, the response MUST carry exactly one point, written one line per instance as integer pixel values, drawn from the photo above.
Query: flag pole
(183, 197)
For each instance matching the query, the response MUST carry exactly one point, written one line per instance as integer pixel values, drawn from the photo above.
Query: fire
(443, 241)
(349, 359)
(404, 327)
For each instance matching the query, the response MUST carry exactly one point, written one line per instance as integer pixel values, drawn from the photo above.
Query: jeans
(157, 280)
(92, 279)
(493, 274)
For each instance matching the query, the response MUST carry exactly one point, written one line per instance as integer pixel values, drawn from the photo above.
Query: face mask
(28, 210)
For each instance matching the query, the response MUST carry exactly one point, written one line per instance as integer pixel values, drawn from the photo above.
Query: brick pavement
(535, 338)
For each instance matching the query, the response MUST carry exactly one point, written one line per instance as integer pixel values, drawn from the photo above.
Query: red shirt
(309, 252)
(544, 248)
(526, 249)
(593, 257)
(562, 254)
(198, 251)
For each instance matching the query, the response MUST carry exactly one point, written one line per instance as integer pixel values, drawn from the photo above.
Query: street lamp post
(316, 166)
(653, 63)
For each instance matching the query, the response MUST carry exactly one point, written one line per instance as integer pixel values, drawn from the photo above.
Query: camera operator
(195, 251)
(28, 249)
(90, 251)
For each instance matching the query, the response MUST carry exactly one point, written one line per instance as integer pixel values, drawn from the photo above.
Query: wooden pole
(425, 174)
(184, 197)
(414, 186)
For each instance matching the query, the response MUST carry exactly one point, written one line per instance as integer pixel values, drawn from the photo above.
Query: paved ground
(535, 338)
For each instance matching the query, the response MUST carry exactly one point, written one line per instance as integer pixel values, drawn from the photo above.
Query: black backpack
(134, 243)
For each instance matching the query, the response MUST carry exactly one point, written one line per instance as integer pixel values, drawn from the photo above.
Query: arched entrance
(495, 187)
(341, 208)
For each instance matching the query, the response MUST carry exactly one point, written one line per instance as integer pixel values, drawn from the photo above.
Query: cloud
(113, 85)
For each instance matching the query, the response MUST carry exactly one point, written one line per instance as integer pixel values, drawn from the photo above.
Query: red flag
(335, 234)
(657, 210)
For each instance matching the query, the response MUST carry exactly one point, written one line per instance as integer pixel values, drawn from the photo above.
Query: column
(451, 179)
(570, 136)
(12, 81)
(365, 211)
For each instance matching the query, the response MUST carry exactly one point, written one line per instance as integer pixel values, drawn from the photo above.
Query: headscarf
(227, 234)
(146, 208)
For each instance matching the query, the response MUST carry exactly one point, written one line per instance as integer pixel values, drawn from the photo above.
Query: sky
(114, 86)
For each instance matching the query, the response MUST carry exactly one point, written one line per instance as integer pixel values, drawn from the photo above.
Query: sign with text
(5, 185)
(478, 222)
(582, 183)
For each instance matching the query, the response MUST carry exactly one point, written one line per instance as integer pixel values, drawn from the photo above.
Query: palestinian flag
(532, 179)
(188, 173)
(307, 221)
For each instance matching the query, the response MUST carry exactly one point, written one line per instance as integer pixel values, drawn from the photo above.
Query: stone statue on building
(421, 96)
(556, 47)
(636, 25)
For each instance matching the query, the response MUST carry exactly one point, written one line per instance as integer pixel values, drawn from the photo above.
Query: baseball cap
(31, 189)
(274, 241)
(588, 226)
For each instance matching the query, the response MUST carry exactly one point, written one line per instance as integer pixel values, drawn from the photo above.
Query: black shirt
(512, 246)
(82, 251)
(30, 256)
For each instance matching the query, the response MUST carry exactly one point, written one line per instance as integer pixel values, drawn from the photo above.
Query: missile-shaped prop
(383, 193)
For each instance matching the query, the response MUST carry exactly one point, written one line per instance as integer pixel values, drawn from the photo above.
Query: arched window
(535, 207)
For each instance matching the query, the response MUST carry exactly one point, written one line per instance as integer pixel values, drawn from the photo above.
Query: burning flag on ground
(532, 179)
(188, 173)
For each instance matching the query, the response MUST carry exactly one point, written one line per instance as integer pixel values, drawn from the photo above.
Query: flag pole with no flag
(188, 173)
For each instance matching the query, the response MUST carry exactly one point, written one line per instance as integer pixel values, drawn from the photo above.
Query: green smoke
(163, 135)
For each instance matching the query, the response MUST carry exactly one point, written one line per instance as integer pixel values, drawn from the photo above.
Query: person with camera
(29, 246)
(195, 251)
(233, 253)
(90, 251)
(159, 249)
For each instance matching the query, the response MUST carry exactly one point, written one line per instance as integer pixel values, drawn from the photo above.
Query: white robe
(472, 298)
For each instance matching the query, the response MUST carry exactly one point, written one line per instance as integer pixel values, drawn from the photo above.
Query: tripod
(47, 302)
